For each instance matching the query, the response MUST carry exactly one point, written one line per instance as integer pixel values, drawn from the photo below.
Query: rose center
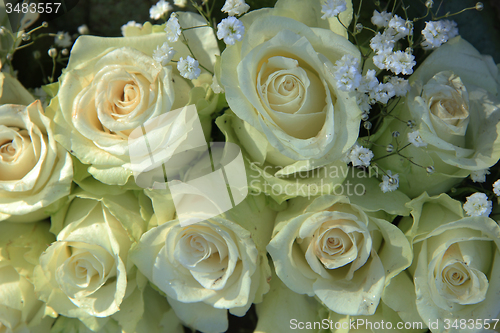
(7, 149)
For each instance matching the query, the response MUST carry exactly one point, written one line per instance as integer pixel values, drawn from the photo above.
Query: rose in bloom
(20, 247)
(455, 267)
(112, 86)
(35, 171)
(344, 250)
(455, 106)
(279, 80)
(208, 267)
(84, 273)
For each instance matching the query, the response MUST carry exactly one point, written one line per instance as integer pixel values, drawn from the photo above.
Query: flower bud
(52, 52)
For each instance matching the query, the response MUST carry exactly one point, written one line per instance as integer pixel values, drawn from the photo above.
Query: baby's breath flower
(401, 27)
(83, 29)
(401, 86)
(231, 30)
(381, 20)
(163, 54)
(360, 156)
(390, 182)
(332, 8)
(401, 62)
(160, 9)
(382, 60)
(180, 3)
(347, 73)
(477, 204)
(173, 29)
(479, 176)
(496, 188)
(415, 139)
(382, 93)
(383, 42)
(130, 24)
(369, 81)
(235, 7)
(437, 33)
(62, 39)
(188, 68)
(363, 102)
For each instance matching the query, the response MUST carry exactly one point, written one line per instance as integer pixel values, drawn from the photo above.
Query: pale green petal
(200, 316)
(282, 308)
(12, 91)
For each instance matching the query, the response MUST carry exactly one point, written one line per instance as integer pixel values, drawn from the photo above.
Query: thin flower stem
(459, 12)
(353, 36)
(200, 26)
(24, 46)
(185, 41)
(51, 79)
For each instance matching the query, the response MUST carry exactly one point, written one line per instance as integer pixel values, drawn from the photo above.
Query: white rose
(86, 274)
(455, 267)
(208, 267)
(35, 171)
(337, 249)
(279, 80)
(112, 86)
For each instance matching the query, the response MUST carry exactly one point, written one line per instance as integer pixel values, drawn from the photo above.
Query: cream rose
(208, 267)
(35, 171)
(456, 109)
(337, 249)
(279, 80)
(86, 273)
(112, 86)
(20, 247)
(455, 267)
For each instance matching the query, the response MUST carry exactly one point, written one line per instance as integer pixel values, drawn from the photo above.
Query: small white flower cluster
(415, 139)
(368, 88)
(436, 33)
(230, 30)
(130, 24)
(479, 176)
(381, 20)
(496, 188)
(332, 8)
(173, 28)
(398, 62)
(164, 54)
(235, 7)
(478, 204)
(390, 182)
(346, 73)
(358, 156)
(188, 68)
(180, 3)
(62, 39)
(371, 91)
(160, 9)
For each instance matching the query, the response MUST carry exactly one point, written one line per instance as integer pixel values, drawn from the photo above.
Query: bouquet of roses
(318, 165)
